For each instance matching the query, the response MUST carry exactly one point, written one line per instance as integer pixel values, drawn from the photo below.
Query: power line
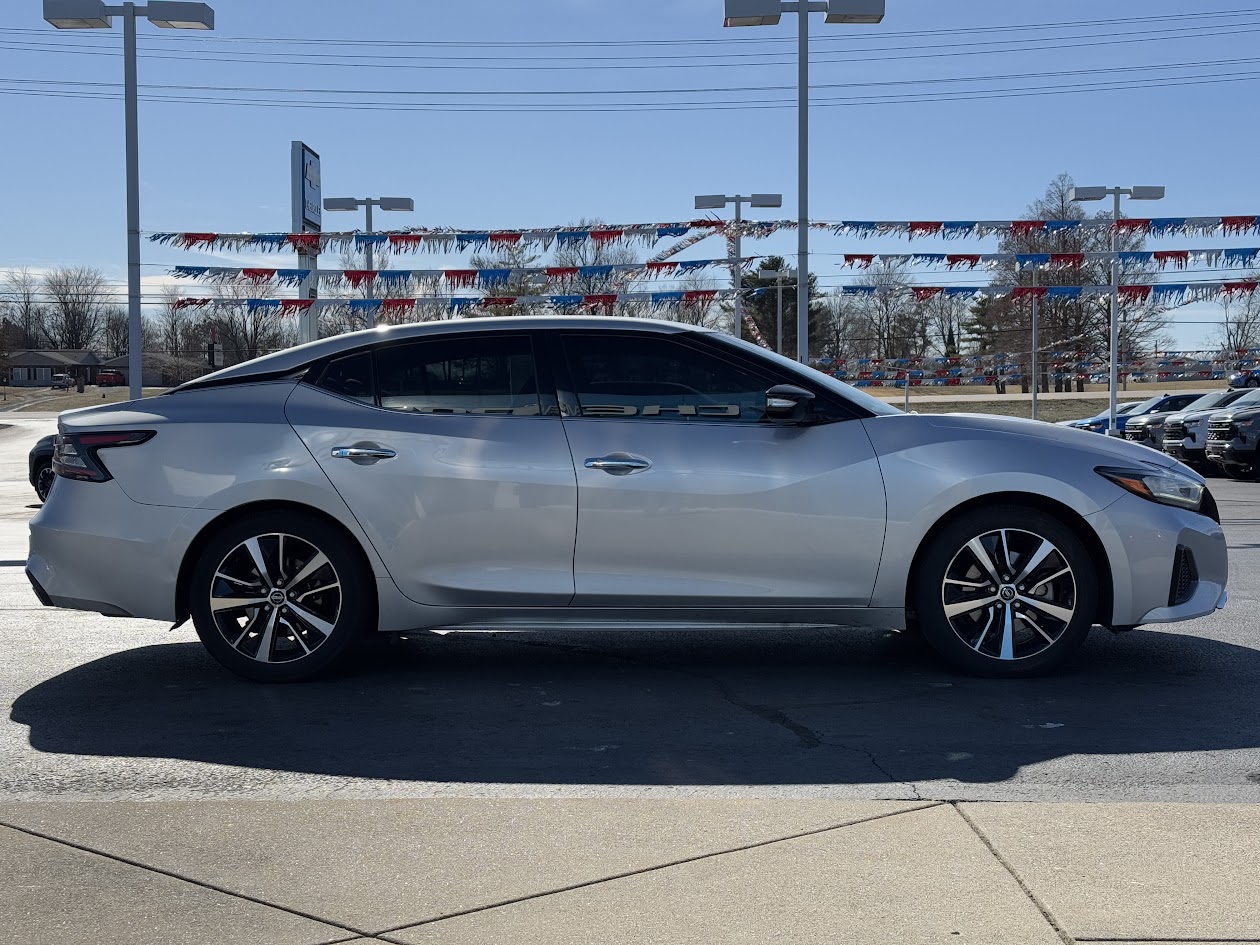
(702, 41)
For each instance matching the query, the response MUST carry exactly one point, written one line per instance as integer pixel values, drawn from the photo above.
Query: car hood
(1146, 418)
(1108, 448)
(1237, 413)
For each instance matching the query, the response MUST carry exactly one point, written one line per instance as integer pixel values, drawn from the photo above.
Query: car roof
(297, 357)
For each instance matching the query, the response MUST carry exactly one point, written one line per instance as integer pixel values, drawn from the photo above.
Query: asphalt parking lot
(111, 709)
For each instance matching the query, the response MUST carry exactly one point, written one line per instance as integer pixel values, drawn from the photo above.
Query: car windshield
(848, 392)
(1249, 399)
(1214, 399)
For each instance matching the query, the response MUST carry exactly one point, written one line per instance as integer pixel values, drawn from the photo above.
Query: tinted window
(459, 375)
(658, 378)
(350, 377)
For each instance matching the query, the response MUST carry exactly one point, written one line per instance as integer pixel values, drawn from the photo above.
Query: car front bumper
(1230, 454)
(93, 548)
(1141, 539)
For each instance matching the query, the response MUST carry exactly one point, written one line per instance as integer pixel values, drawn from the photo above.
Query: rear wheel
(1253, 382)
(44, 479)
(1006, 591)
(278, 596)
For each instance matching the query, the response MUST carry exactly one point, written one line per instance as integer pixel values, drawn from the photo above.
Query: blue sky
(226, 167)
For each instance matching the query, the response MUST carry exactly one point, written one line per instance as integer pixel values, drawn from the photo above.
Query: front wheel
(1006, 591)
(44, 479)
(1241, 473)
(279, 596)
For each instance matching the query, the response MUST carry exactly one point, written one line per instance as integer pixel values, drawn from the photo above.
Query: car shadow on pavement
(732, 707)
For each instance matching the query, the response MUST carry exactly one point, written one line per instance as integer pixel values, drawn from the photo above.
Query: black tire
(976, 640)
(1240, 473)
(44, 479)
(337, 597)
(1253, 382)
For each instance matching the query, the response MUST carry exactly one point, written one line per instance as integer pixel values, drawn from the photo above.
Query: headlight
(1159, 485)
(1247, 426)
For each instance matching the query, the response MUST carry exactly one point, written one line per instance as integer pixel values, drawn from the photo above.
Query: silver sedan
(599, 472)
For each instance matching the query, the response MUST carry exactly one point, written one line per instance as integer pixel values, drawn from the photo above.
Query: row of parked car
(1214, 433)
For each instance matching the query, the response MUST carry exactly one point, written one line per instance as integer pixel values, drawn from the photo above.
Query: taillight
(75, 454)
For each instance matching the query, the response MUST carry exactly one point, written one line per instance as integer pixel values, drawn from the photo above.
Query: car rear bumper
(92, 548)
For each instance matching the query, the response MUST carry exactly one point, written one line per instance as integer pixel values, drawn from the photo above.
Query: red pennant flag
(599, 301)
(1067, 259)
(1025, 227)
(606, 236)
(499, 301)
(196, 239)
(189, 303)
(562, 272)
(461, 277)
(1030, 291)
(859, 260)
(357, 277)
(1236, 226)
(504, 239)
(1133, 225)
(1177, 258)
(304, 242)
(691, 297)
(924, 293)
(1135, 293)
(397, 305)
(1247, 285)
(659, 267)
(954, 261)
(406, 240)
(259, 275)
(924, 229)
(289, 306)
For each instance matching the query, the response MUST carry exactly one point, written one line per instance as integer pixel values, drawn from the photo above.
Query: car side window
(350, 377)
(658, 378)
(493, 376)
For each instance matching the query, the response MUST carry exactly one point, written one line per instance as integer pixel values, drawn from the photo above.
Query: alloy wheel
(275, 598)
(44, 480)
(1009, 594)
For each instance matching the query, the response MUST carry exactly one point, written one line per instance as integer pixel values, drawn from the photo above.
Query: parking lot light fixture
(717, 202)
(1078, 194)
(93, 14)
(767, 13)
(778, 275)
(385, 203)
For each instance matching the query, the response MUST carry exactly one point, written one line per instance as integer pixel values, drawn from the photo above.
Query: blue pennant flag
(364, 240)
(566, 301)
(1056, 226)
(572, 236)
(394, 276)
(957, 228)
(927, 258)
(459, 303)
(292, 276)
(1243, 256)
(364, 305)
(1164, 226)
(956, 290)
(191, 272)
(1063, 292)
(269, 239)
(691, 265)
(493, 277)
(1136, 257)
(465, 240)
(255, 305)
(662, 231)
(666, 298)
(1032, 259)
(595, 272)
(858, 290)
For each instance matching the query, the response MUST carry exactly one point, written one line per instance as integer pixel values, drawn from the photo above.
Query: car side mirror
(788, 404)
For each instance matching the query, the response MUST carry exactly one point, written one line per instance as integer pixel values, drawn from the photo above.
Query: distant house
(36, 368)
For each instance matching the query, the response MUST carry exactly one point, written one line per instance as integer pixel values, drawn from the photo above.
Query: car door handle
(619, 464)
(361, 453)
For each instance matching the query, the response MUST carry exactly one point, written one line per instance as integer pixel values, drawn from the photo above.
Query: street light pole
(1077, 194)
(778, 275)
(768, 13)
(94, 14)
(135, 356)
(716, 202)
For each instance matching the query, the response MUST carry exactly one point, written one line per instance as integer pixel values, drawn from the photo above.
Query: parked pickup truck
(1231, 442)
(1186, 433)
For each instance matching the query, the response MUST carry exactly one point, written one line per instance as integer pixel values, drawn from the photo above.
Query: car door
(454, 462)
(689, 496)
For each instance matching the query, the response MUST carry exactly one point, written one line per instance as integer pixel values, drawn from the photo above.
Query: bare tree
(21, 289)
(80, 300)
(1240, 328)
(891, 318)
(115, 330)
(246, 331)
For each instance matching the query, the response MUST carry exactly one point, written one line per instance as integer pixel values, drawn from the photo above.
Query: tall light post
(93, 14)
(354, 203)
(778, 275)
(1098, 193)
(717, 202)
(767, 13)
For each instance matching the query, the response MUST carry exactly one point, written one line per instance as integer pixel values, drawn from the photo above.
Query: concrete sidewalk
(559, 871)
